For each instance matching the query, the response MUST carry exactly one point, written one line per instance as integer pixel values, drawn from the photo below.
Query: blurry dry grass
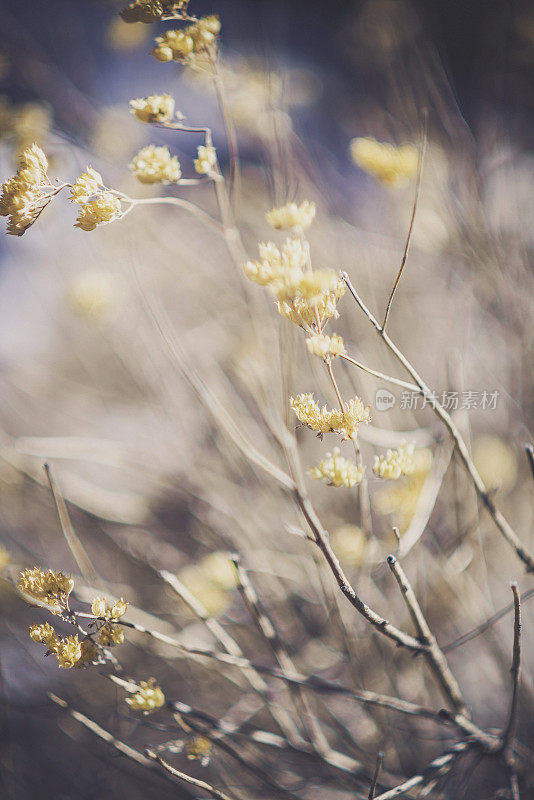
(89, 382)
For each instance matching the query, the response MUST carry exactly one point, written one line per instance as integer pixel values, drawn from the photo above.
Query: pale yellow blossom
(395, 463)
(155, 164)
(325, 420)
(88, 184)
(185, 43)
(286, 272)
(322, 345)
(49, 588)
(337, 470)
(149, 697)
(401, 498)
(303, 313)
(101, 608)
(155, 108)
(292, 215)
(206, 161)
(105, 208)
(25, 195)
(68, 650)
(389, 164)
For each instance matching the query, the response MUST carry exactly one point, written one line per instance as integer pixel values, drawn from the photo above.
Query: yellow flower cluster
(88, 184)
(183, 45)
(322, 345)
(207, 159)
(401, 498)
(103, 209)
(389, 164)
(155, 108)
(325, 420)
(285, 273)
(302, 313)
(49, 588)
(26, 194)
(152, 10)
(199, 749)
(109, 634)
(68, 650)
(148, 698)
(395, 463)
(156, 165)
(292, 215)
(337, 470)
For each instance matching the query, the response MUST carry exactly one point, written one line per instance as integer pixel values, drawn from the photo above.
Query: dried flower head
(101, 609)
(155, 164)
(199, 749)
(88, 184)
(337, 470)
(68, 650)
(303, 313)
(105, 208)
(110, 635)
(26, 194)
(395, 463)
(152, 10)
(148, 698)
(155, 108)
(286, 272)
(206, 161)
(292, 215)
(186, 43)
(322, 345)
(325, 420)
(391, 165)
(49, 588)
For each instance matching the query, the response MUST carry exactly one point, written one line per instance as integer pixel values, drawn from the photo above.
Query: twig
(472, 634)
(121, 747)
(279, 713)
(433, 652)
(76, 547)
(509, 731)
(182, 776)
(420, 160)
(441, 763)
(502, 524)
(529, 449)
(266, 627)
(397, 381)
(372, 788)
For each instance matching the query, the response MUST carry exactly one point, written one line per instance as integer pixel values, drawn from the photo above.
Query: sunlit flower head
(322, 345)
(25, 195)
(292, 215)
(206, 160)
(325, 420)
(185, 43)
(48, 588)
(155, 164)
(88, 184)
(105, 208)
(148, 698)
(395, 463)
(155, 108)
(391, 165)
(337, 470)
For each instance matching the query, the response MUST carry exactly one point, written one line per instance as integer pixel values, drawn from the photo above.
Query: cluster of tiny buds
(151, 10)
(147, 698)
(325, 420)
(392, 166)
(337, 470)
(185, 43)
(395, 463)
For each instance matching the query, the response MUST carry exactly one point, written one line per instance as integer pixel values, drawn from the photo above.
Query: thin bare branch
(182, 776)
(433, 653)
(486, 498)
(77, 549)
(509, 731)
(378, 767)
(420, 160)
(529, 449)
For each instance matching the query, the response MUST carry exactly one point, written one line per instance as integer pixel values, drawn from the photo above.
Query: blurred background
(88, 382)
